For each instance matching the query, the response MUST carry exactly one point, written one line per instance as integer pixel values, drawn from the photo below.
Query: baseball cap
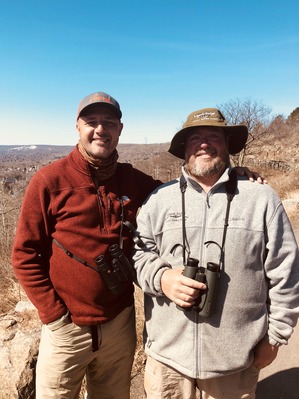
(100, 98)
(209, 117)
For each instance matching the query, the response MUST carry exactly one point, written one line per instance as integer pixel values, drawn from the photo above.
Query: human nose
(99, 127)
(206, 138)
(203, 141)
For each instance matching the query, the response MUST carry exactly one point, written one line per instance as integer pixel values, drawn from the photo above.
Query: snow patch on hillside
(24, 148)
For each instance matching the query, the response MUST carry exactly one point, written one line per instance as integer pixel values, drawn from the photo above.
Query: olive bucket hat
(237, 134)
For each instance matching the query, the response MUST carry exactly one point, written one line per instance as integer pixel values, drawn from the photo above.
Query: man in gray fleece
(219, 266)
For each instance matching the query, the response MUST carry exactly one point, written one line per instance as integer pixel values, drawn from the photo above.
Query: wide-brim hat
(100, 98)
(237, 134)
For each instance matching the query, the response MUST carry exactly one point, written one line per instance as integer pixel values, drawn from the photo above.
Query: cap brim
(104, 104)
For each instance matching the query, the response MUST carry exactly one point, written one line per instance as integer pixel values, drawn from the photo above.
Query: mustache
(203, 152)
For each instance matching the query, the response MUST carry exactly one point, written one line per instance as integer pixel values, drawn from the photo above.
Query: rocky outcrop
(19, 341)
(19, 337)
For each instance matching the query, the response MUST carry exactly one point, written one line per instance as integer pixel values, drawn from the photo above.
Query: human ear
(120, 128)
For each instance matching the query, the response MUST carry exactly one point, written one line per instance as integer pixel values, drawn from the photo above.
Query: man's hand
(252, 176)
(182, 290)
(264, 354)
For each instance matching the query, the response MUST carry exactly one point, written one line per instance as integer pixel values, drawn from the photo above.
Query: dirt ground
(137, 391)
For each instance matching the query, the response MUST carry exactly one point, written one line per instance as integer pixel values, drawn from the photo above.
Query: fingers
(183, 304)
(183, 296)
(264, 354)
(252, 176)
(189, 282)
(261, 365)
(257, 177)
(181, 290)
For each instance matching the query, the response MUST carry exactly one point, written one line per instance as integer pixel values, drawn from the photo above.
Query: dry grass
(287, 187)
(9, 287)
(140, 357)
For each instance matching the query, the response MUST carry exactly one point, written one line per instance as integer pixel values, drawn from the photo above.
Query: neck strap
(231, 186)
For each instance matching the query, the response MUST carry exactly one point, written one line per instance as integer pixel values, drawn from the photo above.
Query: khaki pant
(163, 382)
(66, 355)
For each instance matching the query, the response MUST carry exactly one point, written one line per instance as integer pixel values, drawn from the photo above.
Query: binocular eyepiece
(117, 273)
(210, 277)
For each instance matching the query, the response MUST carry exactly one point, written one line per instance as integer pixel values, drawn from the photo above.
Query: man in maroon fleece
(73, 211)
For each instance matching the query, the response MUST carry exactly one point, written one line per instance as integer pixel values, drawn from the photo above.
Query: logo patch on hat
(97, 98)
(100, 98)
(208, 115)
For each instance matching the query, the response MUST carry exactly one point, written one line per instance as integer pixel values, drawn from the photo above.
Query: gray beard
(209, 170)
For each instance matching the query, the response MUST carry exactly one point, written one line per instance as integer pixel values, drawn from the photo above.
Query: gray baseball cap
(100, 98)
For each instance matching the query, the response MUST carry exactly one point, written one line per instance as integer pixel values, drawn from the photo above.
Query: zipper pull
(208, 200)
(100, 198)
(109, 204)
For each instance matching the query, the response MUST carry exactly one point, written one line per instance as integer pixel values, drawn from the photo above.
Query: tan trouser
(163, 382)
(66, 355)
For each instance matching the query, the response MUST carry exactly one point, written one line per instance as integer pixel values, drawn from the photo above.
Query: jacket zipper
(198, 333)
(101, 211)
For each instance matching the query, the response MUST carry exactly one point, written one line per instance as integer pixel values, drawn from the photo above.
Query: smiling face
(99, 130)
(206, 153)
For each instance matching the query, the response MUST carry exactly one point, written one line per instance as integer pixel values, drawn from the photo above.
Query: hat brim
(237, 134)
(112, 107)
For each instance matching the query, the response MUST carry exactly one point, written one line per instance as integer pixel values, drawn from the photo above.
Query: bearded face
(206, 152)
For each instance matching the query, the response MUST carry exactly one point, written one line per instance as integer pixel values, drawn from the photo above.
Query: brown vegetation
(275, 155)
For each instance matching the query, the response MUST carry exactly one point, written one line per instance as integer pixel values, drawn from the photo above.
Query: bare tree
(251, 113)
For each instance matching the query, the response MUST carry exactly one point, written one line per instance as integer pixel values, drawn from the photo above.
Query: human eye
(194, 139)
(110, 124)
(215, 136)
(89, 122)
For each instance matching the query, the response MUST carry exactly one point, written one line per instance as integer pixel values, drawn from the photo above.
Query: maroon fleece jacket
(61, 202)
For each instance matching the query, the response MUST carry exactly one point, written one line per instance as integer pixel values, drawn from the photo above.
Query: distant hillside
(15, 161)
(34, 154)
(45, 153)
(274, 155)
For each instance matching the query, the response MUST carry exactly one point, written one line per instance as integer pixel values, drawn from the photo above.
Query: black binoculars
(210, 277)
(118, 272)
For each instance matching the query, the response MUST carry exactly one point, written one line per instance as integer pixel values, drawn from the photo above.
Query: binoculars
(118, 272)
(210, 277)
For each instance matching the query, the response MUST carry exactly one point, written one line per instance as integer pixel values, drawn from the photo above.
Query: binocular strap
(231, 186)
(73, 256)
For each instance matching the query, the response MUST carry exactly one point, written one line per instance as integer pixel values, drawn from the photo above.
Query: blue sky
(161, 60)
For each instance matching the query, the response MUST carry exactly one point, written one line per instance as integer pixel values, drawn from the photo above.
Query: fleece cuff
(157, 279)
(272, 341)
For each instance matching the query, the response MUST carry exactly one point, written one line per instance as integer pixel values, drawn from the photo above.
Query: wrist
(158, 279)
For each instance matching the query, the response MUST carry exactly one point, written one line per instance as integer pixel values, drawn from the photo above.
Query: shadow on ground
(281, 385)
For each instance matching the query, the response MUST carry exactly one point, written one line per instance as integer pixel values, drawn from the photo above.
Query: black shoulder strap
(183, 186)
(231, 184)
(231, 187)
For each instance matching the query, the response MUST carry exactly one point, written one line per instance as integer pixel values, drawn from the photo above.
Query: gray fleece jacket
(258, 293)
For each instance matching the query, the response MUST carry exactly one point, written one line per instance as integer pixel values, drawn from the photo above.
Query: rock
(19, 339)
(22, 306)
(19, 342)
